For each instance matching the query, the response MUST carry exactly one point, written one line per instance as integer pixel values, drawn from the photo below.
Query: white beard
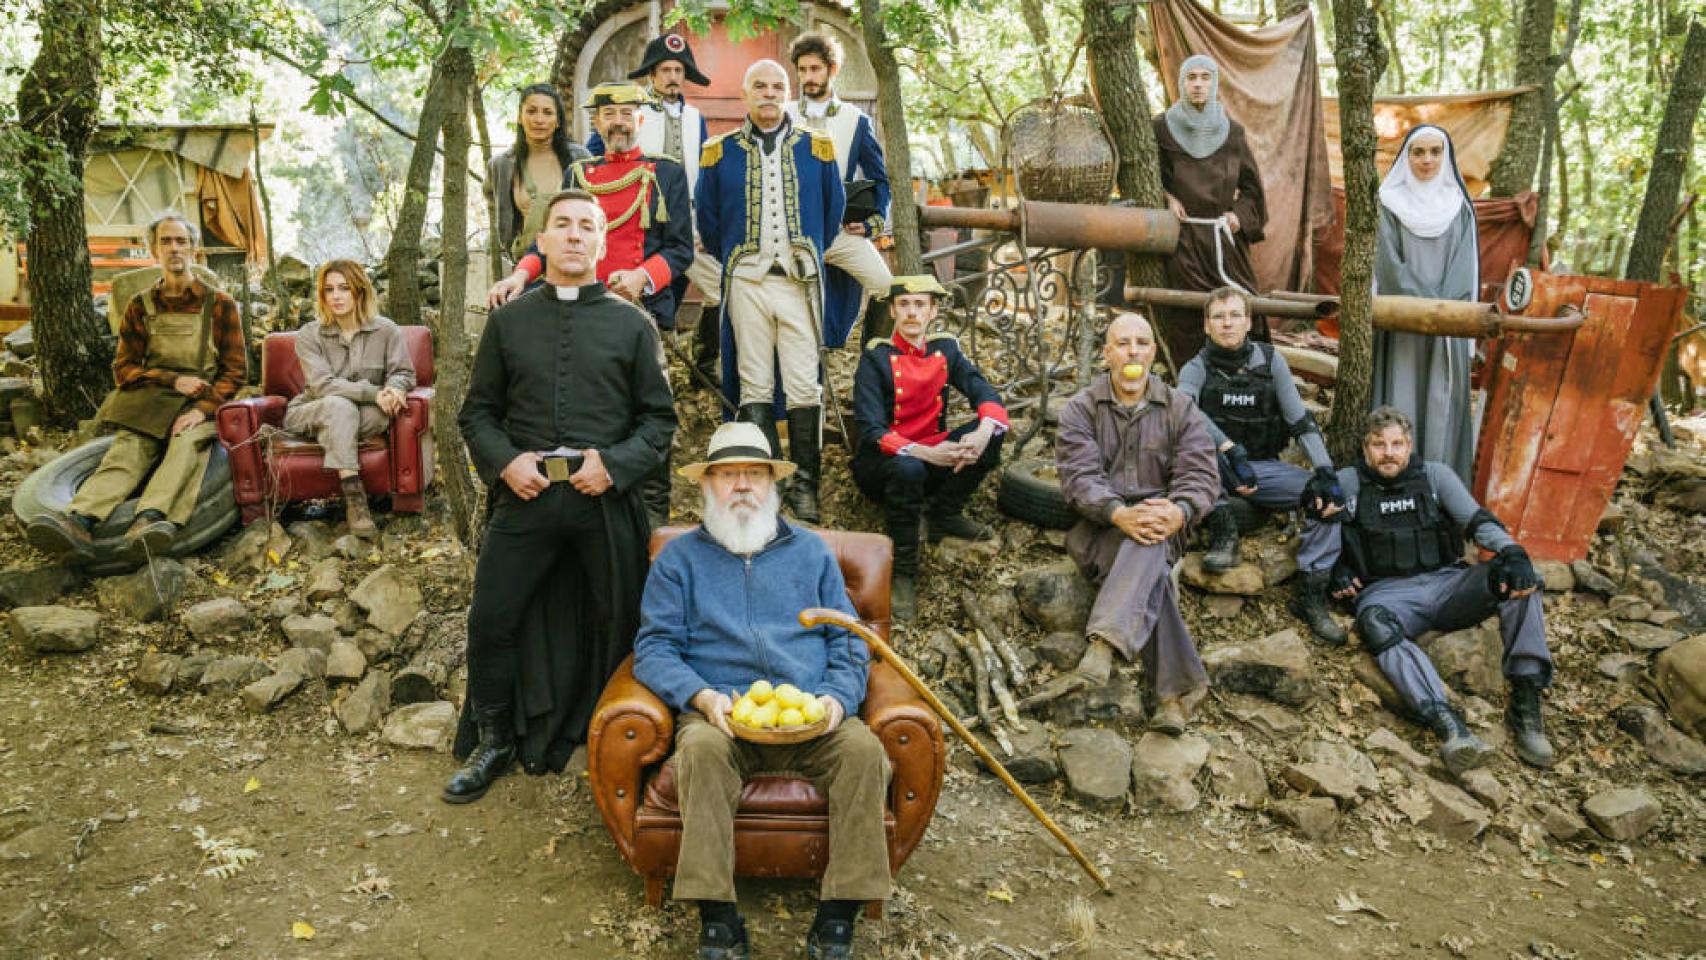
(743, 531)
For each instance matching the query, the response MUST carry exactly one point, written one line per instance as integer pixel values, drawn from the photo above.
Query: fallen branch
(1003, 696)
(997, 637)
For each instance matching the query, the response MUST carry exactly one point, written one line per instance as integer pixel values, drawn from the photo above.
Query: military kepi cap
(917, 283)
(614, 93)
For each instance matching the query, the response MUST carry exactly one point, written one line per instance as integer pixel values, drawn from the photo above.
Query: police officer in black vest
(1253, 410)
(1403, 564)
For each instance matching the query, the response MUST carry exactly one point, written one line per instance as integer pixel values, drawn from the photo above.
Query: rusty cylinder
(1460, 318)
(1271, 306)
(1073, 226)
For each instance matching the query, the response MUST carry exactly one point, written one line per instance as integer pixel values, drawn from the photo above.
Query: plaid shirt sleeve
(232, 370)
(128, 368)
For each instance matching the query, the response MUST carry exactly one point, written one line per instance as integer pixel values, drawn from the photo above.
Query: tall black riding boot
(1309, 604)
(805, 448)
(490, 758)
(945, 516)
(764, 415)
(654, 491)
(1460, 749)
(708, 343)
(1522, 716)
(902, 513)
(1222, 553)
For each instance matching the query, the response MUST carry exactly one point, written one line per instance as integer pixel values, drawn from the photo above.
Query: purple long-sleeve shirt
(1110, 455)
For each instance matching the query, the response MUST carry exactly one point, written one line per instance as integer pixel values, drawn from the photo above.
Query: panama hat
(738, 443)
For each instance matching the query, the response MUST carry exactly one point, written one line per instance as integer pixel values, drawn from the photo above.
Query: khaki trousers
(774, 326)
(862, 261)
(172, 489)
(338, 425)
(848, 766)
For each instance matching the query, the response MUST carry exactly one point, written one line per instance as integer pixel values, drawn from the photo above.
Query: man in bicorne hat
(907, 459)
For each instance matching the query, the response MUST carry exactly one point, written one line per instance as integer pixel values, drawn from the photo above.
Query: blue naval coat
(727, 203)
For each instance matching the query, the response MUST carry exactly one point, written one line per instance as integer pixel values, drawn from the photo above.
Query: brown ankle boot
(356, 514)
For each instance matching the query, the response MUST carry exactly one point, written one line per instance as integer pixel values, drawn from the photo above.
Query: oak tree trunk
(1514, 170)
(402, 258)
(1670, 158)
(1361, 59)
(58, 103)
(897, 152)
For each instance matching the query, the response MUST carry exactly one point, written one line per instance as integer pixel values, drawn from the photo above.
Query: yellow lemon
(760, 692)
(742, 712)
(813, 710)
(1132, 371)
(791, 718)
(764, 716)
(789, 696)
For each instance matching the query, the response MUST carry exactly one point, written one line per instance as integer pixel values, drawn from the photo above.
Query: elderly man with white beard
(720, 611)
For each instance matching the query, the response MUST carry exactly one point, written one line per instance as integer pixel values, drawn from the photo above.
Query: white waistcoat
(652, 132)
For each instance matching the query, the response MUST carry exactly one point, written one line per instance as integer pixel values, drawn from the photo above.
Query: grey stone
(1623, 667)
(376, 645)
(1222, 606)
(316, 631)
(365, 707)
(1117, 701)
(55, 629)
(345, 662)
(1590, 580)
(1665, 618)
(390, 598)
(1371, 676)
(36, 586)
(256, 548)
(145, 594)
(1556, 574)
(351, 547)
(1276, 666)
(269, 691)
(1383, 742)
(932, 656)
(192, 667)
(1627, 606)
(1278, 562)
(1468, 660)
(1624, 813)
(306, 661)
(314, 538)
(1454, 814)
(1680, 677)
(957, 552)
(156, 672)
(1484, 787)
(1559, 823)
(22, 341)
(282, 607)
(219, 617)
(1669, 747)
(45, 842)
(1347, 758)
(424, 726)
(1055, 597)
(229, 673)
(1097, 764)
(1267, 717)
(1317, 818)
(1164, 771)
(345, 613)
(1243, 580)
(1236, 777)
(325, 581)
(1645, 636)
(1323, 780)
(1061, 649)
(1033, 759)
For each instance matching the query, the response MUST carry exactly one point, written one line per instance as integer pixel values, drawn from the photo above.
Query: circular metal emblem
(675, 43)
(1519, 290)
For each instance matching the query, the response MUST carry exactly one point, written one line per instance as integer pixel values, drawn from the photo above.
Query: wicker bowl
(780, 735)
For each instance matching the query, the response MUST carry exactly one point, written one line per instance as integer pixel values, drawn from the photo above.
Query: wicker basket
(1061, 152)
(781, 735)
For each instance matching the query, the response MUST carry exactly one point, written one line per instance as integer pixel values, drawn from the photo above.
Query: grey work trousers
(1454, 598)
(1278, 487)
(338, 425)
(1137, 609)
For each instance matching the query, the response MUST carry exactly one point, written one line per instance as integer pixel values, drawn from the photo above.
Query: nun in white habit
(1426, 246)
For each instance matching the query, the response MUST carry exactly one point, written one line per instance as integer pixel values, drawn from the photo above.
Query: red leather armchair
(782, 825)
(285, 469)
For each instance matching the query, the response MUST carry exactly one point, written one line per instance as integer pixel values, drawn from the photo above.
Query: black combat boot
(490, 758)
(1222, 554)
(707, 346)
(764, 416)
(805, 448)
(1309, 604)
(1522, 716)
(1458, 748)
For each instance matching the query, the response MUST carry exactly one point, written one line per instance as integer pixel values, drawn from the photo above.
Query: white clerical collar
(573, 293)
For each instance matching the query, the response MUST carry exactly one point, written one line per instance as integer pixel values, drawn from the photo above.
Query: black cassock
(581, 374)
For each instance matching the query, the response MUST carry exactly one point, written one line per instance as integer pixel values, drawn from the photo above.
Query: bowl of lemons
(777, 713)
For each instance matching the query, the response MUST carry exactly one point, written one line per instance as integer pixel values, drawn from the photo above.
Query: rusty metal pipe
(1074, 226)
(1266, 306)
(1461, 318)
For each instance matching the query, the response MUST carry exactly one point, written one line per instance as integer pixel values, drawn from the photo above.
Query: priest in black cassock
(567, 411)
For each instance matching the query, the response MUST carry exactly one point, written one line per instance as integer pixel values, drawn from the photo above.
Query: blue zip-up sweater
(710, 618)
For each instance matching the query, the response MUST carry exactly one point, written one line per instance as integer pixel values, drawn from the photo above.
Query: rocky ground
(239, 755)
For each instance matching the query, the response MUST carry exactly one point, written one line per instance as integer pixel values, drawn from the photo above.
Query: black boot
(945, 517)
(903, 586)
(1522, 716)
(654, 490)
(1222, 553)
(722, 933)
(490, 758)
(1461, 750)
(764, 415)
(879, 322)
(831, 936)
(707, 345)
(805, 448)
(1309, 604)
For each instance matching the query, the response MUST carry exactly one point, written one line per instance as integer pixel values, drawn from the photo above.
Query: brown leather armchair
(782, 825)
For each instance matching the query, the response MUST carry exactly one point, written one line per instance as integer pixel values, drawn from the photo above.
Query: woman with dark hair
(521, 177)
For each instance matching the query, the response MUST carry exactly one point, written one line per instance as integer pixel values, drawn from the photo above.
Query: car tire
(1030, 491)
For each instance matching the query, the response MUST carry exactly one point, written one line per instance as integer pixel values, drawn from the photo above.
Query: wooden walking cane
(817, 616)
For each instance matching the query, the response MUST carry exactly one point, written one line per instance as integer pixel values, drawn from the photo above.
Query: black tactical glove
(1344, 578)
(1235, 466)
(1323, 487)
(1511, 572)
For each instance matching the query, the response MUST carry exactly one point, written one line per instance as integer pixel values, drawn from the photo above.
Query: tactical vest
(1399, 529)
(1243, 404)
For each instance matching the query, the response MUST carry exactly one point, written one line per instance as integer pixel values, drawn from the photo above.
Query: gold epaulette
(712, 151)
(823, 145)
(876, 342)
(942, 335)
(663, 156)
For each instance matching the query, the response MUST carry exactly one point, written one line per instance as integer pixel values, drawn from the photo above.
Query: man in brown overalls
(180, 355)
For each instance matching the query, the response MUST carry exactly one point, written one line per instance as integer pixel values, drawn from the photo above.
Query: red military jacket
(900, 391)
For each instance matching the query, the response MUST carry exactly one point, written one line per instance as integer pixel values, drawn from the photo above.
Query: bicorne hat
(670, 46)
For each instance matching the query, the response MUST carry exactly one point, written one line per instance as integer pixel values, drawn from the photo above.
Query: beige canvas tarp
(1269, 82)
(1477, 123)
(132, 176)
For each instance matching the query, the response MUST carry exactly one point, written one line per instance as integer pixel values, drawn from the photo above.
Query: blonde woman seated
(357, 375)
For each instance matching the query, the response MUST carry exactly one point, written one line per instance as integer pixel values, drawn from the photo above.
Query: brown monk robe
(1207, 170)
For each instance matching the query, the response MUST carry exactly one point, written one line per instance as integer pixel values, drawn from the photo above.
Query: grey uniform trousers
(1137, 611)
(1454, 598)
(1278, 487)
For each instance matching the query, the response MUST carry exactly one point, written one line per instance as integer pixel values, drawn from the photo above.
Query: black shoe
(1309, 604)
(150, 536)
(957, 525)
(1222, 553)
(723, 941)
(903, 597)
(805, 448)
(763, 415)
(707, 346)
(830, 940)
(1460, 749)
(66, 538)
(1522, 716)
(490, 759)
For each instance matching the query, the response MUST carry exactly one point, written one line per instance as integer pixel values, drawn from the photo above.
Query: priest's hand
(186, 420)
(715, 707)
(591, 479)
(628, 284)
(832, 708)
(505, 290)
(523, 476)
